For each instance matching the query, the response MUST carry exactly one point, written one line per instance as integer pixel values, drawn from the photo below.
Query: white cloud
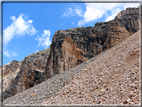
(68, 13)
(95, 11)
(44, 40)
(9, 54)
(19, 27)
(13, 18)
(14, 54)
(72, 23)
(30, 21)
(76, 10)
(114, 12)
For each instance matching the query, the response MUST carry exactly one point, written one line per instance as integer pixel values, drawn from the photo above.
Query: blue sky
(29, 27)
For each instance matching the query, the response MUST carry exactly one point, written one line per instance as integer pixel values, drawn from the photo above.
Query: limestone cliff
(112, 77)
(10, 71)
(19, 77)
(71, 47)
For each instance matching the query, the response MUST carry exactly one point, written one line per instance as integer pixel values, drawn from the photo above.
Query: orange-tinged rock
(33, 94)
(64, 93)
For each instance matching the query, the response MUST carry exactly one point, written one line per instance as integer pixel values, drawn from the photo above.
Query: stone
(74, 46)
(64, 93)
(28, 73)
(33, 94)
(70, 48)
(110, 96)
(98, 102)
(125, 102)
(93, 89)
(10, 71)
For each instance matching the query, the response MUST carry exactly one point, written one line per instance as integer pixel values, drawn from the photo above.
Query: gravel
(112, 77)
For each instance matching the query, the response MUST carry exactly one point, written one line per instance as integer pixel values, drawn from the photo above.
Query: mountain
(25, 74)
(73, 46)
(10, 72)
(70, 48)
(112, 77)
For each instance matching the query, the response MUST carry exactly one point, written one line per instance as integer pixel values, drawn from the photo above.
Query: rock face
(10, 71)
(130, 19)
(73, 46)
(112, 77)
(28, 73)
(31, 70)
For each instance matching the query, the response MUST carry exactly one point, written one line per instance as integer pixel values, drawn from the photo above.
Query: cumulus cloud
(13, 18)
(76, 10)
(44, 39)
(95, 11)
(30, 21)
(9, 54)
(19, 27)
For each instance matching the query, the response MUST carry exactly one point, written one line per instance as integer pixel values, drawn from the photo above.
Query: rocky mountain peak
(128, 11)
(72, 47)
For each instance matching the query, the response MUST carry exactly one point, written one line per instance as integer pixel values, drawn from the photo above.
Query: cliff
(10, 71)
(72, 47)
(112, 77)
(19, 76)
